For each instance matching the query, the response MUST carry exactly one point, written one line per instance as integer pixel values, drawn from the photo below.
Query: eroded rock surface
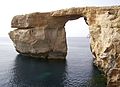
(43, 35)
(39, 35)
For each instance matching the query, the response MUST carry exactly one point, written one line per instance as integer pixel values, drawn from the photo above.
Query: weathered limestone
(43, 35)
(39, 35)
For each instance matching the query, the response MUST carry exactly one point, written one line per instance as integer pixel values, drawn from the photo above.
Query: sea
(76, 71)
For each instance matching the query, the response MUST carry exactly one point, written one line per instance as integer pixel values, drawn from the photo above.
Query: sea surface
(76, 71)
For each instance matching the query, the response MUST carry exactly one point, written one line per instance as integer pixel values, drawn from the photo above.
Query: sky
(75, 28)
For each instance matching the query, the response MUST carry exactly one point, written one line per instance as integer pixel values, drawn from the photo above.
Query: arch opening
(79, 56)
(77, 28)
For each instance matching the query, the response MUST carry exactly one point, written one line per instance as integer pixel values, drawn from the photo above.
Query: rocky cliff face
(39, 35)
(42, 35)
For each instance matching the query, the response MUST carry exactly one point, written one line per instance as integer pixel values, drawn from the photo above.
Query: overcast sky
(10, 8)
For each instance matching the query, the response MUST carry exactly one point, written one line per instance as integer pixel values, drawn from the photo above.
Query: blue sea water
(76, 71)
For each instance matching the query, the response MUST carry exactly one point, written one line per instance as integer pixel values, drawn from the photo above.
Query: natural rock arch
(43, 35)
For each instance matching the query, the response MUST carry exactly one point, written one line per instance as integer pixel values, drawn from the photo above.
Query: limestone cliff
(39, 35)
(43, 35)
